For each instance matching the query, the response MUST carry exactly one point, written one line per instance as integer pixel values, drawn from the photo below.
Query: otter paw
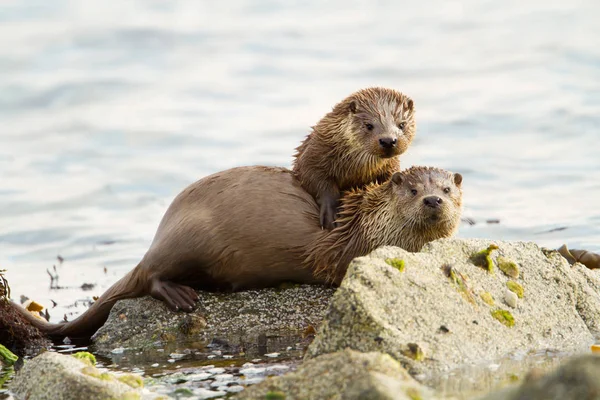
(328, 215)
(176, 297)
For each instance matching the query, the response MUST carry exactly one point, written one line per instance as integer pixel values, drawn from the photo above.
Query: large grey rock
(346, 374)
(55, 376)
(247, 318)
(577, 379)
(433, 323)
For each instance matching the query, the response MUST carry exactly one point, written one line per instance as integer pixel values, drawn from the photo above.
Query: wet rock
(17, 334)
(377, 308)
(56, 376)
(579, 378)
(240, 320)
(346, 374)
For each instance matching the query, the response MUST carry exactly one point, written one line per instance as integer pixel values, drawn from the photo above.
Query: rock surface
(245, 318)
(346, 374)
(432, 318)
(579, 378)
(61, 377)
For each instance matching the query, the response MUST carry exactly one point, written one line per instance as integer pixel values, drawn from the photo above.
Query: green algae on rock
(508, 267)
(56, 376)
(7, 357)
(414, 351)
(515, 288)
(346, 374)
(487, 298)
(275, 395)
(504, 316)
(482, 258)
(375, 309)
(396, 263)
(86, 357)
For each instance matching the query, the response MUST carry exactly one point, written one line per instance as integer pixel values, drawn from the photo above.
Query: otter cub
(215, 236)
(355, 144)
(414, 207)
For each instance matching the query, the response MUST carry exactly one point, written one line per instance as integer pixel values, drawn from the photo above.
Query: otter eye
(402, 125)
(446, 190)
(414, 192)
(369, 127)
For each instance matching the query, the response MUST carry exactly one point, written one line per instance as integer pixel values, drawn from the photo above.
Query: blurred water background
(108, 109)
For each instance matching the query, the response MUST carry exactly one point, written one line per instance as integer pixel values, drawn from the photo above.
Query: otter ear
(457, 179)
(397, 178)
(409, 105)
(353, 107)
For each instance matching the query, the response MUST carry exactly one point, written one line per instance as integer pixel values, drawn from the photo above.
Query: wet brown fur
(341, 154)
(253, 227)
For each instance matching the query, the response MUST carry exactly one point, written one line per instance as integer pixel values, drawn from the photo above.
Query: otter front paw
(328, 214)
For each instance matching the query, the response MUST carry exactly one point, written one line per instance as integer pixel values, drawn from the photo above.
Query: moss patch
(7, 356)
(86, 357)
(275, 395)
(516, 288)
(135, 381)
(482, 258)
(413, 394)
(414, 351)
(131, 396)
(185, 392)
(507, 266)
(487, 298)
(505, 317)
(396, 263)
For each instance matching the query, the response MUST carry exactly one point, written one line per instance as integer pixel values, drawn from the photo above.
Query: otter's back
(240, 224)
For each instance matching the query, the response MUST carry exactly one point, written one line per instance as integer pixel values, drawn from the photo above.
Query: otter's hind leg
(176, 296)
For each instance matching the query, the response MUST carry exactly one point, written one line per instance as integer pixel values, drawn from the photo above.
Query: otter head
(382, 120)
(431, 198)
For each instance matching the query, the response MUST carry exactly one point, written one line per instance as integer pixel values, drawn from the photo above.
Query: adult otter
(355, 144)
(252, 227)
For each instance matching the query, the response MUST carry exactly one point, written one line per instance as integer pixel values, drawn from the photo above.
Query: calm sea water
(108, 109)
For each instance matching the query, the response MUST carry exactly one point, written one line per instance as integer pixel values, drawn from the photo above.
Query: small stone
(118, 350)
(511, 298)
(253, 371)
(216, 371)
(515, 287)
(272, 355)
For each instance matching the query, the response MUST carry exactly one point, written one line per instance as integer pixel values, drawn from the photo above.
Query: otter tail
(86, 324)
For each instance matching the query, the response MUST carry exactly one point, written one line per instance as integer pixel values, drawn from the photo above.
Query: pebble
(118, 350)
(252, 371)
(272, 355)
(199, 377)
(511, 298)
(177, 356)
(211, 356)
(253, 380)
(202, 393)
(216, 371)
(155, 365)
(234, 388)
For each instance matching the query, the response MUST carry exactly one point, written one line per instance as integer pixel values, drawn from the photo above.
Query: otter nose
(388, 143)
(433, 201)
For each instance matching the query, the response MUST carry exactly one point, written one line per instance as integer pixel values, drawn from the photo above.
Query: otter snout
(433, 201)
(388, 142)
